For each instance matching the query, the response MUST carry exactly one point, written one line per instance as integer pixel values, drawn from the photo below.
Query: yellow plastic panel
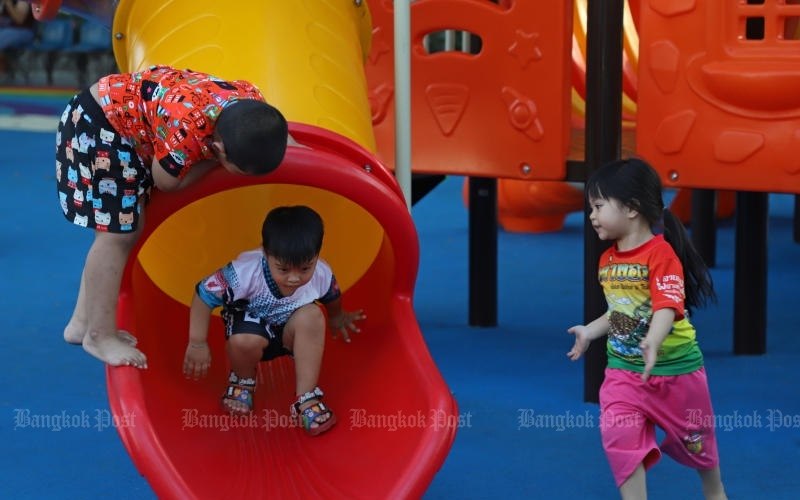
(317, 79)
(206, 234)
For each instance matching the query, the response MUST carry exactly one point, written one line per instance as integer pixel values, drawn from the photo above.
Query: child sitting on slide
(268, 298)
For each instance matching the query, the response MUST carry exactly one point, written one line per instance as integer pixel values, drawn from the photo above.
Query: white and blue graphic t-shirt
(246, 283)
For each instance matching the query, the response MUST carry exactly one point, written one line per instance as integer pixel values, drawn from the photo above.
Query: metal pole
(750, 274)
(603, 144)
(402, 96)
(449, 40)
(482, 251)
(466, 42)
(704, 224)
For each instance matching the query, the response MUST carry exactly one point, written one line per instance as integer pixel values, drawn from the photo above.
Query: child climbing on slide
(160, 127)
(268, 298)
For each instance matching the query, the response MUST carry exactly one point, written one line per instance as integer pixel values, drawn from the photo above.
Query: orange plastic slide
(397, 418)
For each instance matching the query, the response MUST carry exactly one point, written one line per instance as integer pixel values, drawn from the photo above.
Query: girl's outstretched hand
(345, 322)
(650, 354)
(582, 341)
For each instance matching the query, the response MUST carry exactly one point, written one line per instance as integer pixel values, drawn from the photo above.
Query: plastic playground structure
(306, 57)
(714, 105)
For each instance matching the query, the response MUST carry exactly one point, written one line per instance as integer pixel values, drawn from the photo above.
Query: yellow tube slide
(312, 82)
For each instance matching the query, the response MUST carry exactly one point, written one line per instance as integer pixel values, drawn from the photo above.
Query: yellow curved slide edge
(313, 82)
(228, 222)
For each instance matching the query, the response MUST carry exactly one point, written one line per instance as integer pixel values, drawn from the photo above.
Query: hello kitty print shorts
(102, 183)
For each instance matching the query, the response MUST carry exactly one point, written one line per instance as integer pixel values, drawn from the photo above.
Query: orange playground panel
(719, 93)
(503, 112)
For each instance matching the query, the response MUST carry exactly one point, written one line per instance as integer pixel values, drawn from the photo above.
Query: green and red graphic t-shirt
(636, 283)
(169, 114)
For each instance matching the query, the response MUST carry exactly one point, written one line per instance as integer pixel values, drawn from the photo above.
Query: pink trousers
(678, 404)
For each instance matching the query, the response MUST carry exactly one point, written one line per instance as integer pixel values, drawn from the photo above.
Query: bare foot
(111, 349)
(74, 335)
(127, 337)
(74, 332)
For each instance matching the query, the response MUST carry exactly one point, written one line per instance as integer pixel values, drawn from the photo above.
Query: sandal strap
(316, 393)
(313, 394)
(315, 410)
(310, 415)
(238, 393)
(248, 383)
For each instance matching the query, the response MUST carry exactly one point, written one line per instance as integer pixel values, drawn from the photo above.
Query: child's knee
(243, 343)
(307, 324)
(309, 318)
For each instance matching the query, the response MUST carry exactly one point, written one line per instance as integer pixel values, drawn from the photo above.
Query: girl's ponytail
(698, 285)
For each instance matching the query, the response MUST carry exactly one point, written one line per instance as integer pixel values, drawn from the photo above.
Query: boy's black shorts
(238, 321)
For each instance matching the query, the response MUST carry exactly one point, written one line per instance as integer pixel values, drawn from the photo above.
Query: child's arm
(584, 334)
(197, 359)
(166, 182)
(660, 326)
(341, 321)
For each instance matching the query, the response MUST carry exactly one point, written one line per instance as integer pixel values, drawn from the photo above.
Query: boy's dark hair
(254, 135)
(635, 184)
(292, 235)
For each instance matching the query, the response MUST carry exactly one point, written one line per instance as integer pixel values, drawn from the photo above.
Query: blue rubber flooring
(525, 429)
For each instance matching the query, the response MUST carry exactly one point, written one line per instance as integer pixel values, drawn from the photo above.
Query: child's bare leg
(304, 335)
(76, 328)
(102, 275)
(244, 353)
(78, 323)
(712, 484)
(635, 487)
